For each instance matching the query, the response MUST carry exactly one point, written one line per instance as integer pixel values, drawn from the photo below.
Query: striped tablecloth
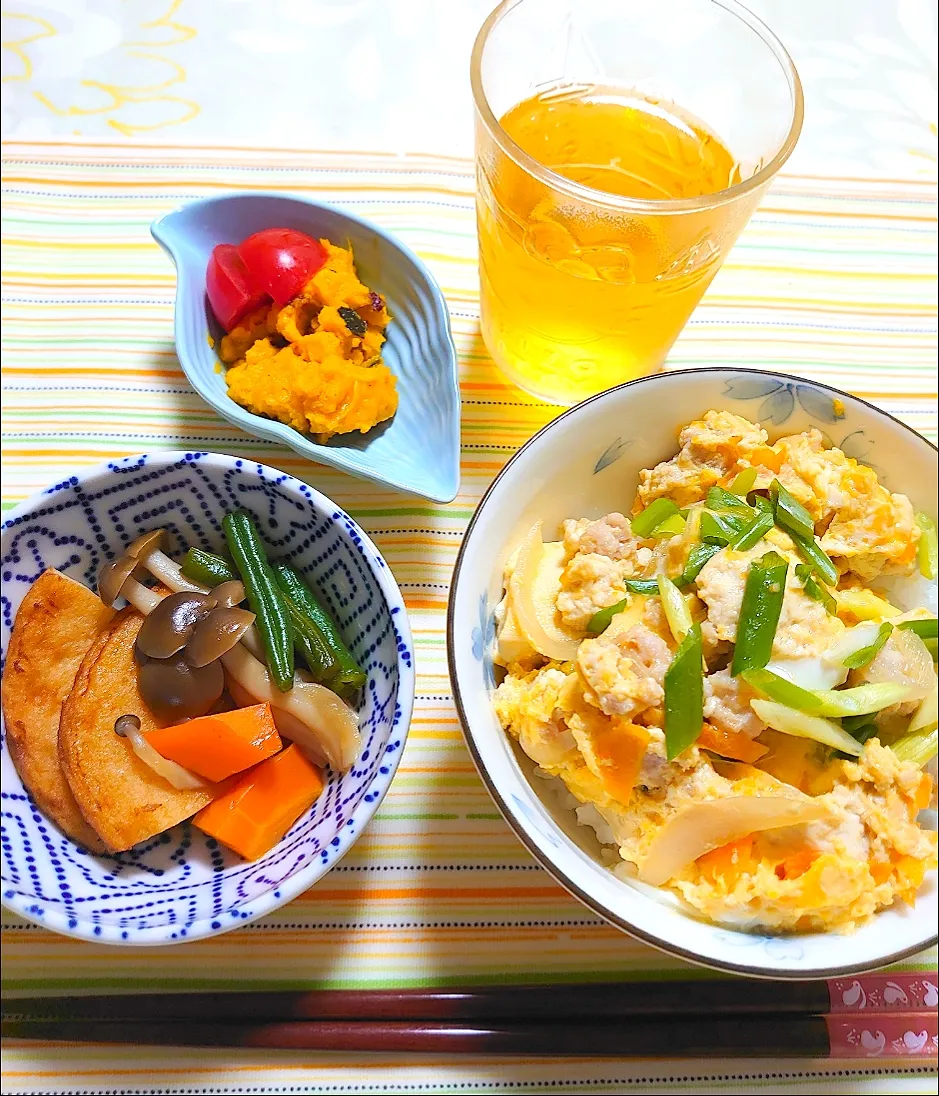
(834, 279)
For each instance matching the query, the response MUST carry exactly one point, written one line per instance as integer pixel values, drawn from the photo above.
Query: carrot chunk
(216, 746)
(733, 744)
(729, 861)
(254, 815)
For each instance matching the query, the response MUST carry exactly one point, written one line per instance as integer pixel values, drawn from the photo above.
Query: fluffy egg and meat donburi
(737, 684)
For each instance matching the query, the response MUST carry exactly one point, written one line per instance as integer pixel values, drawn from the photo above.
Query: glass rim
(642, 205)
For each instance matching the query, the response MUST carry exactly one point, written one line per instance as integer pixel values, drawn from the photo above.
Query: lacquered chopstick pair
(872, 1015)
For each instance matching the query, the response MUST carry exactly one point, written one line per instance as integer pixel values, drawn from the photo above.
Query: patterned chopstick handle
(910, 1035)
(884, 993)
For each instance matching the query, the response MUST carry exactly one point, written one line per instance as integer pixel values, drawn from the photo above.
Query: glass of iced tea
(621, 146)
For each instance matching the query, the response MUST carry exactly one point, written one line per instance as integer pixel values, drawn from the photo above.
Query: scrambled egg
(749, 826)
(315, 364)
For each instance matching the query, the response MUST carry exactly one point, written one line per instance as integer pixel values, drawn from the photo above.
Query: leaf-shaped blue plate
(419, 449)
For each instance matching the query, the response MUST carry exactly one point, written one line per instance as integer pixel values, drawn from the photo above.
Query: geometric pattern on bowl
(183, 884)
(416, 451)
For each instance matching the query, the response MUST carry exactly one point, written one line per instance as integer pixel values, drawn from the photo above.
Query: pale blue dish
(419, 449)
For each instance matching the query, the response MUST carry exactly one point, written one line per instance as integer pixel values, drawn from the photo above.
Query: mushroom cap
(168, 626)
(112, 576)
(216, 634)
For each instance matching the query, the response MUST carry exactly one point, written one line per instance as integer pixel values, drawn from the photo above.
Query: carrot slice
(734, 744)
(216, 746)
(729, 861)
(255, 814)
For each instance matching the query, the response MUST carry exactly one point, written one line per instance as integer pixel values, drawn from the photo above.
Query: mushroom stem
(170, 573)
(143, 599)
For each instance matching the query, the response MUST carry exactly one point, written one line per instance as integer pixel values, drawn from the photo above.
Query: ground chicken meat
(710, 448)
(601, 554)
(805, 628)
(727, 704)
(623, 675)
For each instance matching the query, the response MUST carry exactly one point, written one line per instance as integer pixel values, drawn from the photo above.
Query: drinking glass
(582, 288)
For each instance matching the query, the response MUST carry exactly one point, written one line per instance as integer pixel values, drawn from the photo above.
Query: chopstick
(517, 1003)
(900, 1035)
(887, 1015)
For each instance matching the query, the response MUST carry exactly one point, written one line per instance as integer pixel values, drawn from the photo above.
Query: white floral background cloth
(392, 75)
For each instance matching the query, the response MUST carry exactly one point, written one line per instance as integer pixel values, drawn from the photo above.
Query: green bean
(653, 515)
(311, 644)
(349, 675)
(684, 695)
(697, 557)
(207, 568)
(264, 597)
(815, 590)
(754, 533)
(860, 658)
(759, 612)
(810, 550)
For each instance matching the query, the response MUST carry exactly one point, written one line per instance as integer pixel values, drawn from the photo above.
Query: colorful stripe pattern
(834, 279)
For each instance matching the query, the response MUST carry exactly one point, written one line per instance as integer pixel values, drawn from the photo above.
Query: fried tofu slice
(58, 621)
(121, 797)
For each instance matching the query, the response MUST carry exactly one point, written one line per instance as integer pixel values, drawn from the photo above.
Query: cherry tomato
(230, 288)
(281, 261)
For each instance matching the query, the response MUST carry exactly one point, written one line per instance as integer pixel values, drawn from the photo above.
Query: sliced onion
(676, 608)
(331, 722)
(852, 640)
(865, 605)
(926, 716)
(789, 721)
(810, 673)
(903, 660)
(701, 827)
(181, 779)
(533, 590)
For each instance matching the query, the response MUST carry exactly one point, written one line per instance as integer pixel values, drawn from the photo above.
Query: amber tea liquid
(577, 296)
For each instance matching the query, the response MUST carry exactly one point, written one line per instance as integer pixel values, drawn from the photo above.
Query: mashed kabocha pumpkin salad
(304, 335)
(737, 684)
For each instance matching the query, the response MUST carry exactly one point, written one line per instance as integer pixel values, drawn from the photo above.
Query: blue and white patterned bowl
(183, 885)
(416, 451)
(585, 464)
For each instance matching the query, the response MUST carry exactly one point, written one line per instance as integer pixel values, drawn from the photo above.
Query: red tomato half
(230, 288)
(281, 261)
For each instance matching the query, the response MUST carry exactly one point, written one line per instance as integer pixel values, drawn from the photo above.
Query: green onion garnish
(684, 695)
(754, 533)
(811, 552)
(925, 629)
(814, 589)
(866, 654)
(744, 481)
(697, 557)
(719, 499)
(721, 529)
(671, 527)
(600, 620)
(834, 703)
(653, 515)
(927, 551)
(790, 513)
(759, 612)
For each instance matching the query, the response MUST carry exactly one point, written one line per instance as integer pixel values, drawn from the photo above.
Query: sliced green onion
(866, 654)
(932, 645)
(601, 619)
(653, 515)
(815, 590)
(810, 550)
(760, 502)
(671, 527)
(640, 586)
(860, 701)
(684, 695)
(856, 725)
(697, 557)
(721, 529)
(927, 551)
(754, 533)
(925, 628)
(676, 611)
(920, 741)
(801, 725)
(759, 612)
(790, 513)
(719, 499)
(744, 481)
(918, 747)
